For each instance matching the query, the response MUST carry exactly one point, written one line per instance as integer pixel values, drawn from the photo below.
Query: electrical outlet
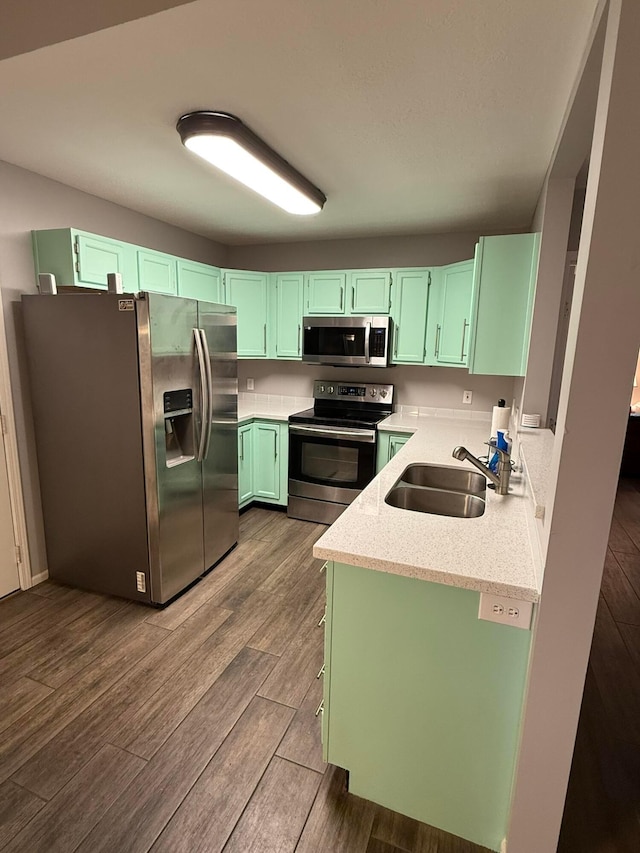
(506, 611)
(249, 384)
(141, 582)
(467, 397)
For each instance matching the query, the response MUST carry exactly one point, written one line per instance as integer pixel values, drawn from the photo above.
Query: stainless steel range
(332, 448)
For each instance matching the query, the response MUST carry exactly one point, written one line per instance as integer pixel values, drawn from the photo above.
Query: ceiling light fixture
(228, 144)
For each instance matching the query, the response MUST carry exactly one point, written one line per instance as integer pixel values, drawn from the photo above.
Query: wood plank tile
(17, 807)
(19, 698)
(630, 565)
(151, 725)
(50, 589)
(276, 813)
(619, 539)
(62, 824)
(398, 831)
(275, 634)
(14, 608)
(620, 596)
(49, 769)
(210, 811)
(291, 677)
(338, 821)
(176, 613)
(377, 846)
(144, 808)
(27, 736)
(302, 743)
(631, 636)
(252, 521)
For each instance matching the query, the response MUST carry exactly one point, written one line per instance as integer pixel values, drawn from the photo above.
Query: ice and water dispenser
(178, 426)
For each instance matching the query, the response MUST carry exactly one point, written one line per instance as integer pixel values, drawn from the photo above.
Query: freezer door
(220, 462)
(173, 395)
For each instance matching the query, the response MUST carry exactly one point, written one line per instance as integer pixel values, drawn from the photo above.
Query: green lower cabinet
(389, 443)
(199, 281)
(263, 462)
(409, 303)
(449, 322)
(504, 285)
(245, 464)
(157, 272)
(423, 700)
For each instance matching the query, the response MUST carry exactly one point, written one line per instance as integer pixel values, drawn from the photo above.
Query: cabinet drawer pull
(320, 708)
(321, 671)
(323, 566)
(464, 333)
(324, 618)
(437, 349)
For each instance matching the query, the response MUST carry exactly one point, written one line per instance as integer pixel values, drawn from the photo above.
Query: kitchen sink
(449, 479)
(439, 490)
(436, 501)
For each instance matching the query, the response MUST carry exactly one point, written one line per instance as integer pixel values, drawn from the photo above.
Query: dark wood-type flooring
(193, 728)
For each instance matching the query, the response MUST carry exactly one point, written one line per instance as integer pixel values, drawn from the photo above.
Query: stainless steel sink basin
(436, 501)
(449, 479)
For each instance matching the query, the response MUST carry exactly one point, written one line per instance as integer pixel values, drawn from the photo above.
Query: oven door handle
(365, 436)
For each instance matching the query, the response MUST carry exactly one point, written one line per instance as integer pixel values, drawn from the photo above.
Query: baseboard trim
(39, 578)
(503, 846)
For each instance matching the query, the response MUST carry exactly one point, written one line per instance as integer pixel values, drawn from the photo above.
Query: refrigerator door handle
(207, 362)
(204, 393)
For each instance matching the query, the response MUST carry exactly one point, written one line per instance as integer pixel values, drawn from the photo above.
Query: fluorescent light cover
(230, 157)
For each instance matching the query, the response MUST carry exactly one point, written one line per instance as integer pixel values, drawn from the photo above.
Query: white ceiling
(412, 116)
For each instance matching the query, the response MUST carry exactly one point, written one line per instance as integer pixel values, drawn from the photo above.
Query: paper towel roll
(500, 419)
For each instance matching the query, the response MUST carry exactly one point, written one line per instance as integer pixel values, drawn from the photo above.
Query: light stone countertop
(492, 553)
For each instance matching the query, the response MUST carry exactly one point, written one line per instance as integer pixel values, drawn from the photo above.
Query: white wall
(440, 387)
(29, 201)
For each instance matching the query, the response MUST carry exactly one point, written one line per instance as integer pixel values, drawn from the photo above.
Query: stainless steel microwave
(351, 341)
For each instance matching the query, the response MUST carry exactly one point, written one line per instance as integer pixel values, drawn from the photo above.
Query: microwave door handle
(367, 335)
(204, 394)
(207, 365)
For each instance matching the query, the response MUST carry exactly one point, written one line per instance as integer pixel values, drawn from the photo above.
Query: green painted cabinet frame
(249, 292)
(245, 464)
(389, 443)
(289, 296)
(263, 462)
(423, 701)
(77, 258)
(504, 284)
(369, 292)
(409, 303)
(449, 321)
(157, 272)
(199, 281)
(326, 293)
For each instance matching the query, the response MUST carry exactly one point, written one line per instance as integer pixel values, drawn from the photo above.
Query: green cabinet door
(289, 296)
(424, 700)
(449, 319)
(77, 258)
(389, 443)
(504, 283)
(409, 311)
(369, 292)
(248, 291)
(326, 293)
(245, 464)
(157, 272)
(266, 460)
(199, 281)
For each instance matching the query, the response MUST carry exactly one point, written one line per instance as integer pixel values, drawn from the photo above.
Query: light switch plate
(505, 611)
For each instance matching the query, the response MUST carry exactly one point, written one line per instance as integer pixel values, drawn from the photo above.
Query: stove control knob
(383, 393)
(321, 389)
(373, 392)
(330, 389)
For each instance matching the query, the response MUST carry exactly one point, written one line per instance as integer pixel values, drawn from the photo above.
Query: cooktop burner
(339, 417)
(347, 405)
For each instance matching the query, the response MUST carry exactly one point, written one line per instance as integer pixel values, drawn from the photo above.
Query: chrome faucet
(501, 479)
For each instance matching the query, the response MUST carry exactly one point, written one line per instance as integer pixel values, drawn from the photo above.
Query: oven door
(330, 463)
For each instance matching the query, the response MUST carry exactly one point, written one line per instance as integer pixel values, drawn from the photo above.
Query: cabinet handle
(341, 297)
(324, 618)
(264, 329)
(395, 348)
(323, 566)
(275, 444)
(437, 349)
(242, 446)
(320, 709)
(321, 671)
(299, 339)
(353, 299)
(464, 332)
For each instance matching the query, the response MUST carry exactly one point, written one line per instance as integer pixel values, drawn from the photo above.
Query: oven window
(329, 462)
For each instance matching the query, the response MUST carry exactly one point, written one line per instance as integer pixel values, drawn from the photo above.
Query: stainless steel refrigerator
(135, 409)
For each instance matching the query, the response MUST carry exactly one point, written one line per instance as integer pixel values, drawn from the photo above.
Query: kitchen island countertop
(491, 554)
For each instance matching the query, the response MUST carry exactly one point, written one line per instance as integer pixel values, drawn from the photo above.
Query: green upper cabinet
(449, 324)
(326, 293)
(369, 292)
(503, 289)
(409, 311)
(289, 294)
(199, 281)
(82, 259)
(248, 291)
(157, 272)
